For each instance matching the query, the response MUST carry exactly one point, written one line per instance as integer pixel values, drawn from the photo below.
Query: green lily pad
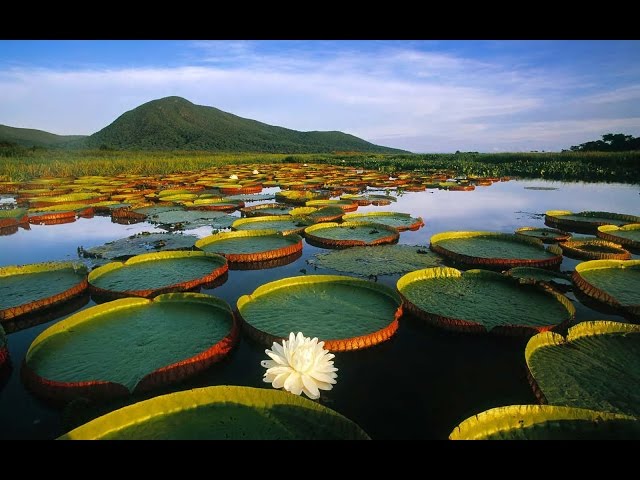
(222, 413)
(597, 366)
(300, 197)
(150, 274)
(129, 345)
(188, 219)
(345, 205)
(350, 234)
(249, 197)
(139, 243)
(346, 313)
(317, 215)
(537, 275)
(286, 224)
(401, 221)
(546, 235)
(379, 260)
(274, 209)
(251, 245)
(546, 422)
(627, 235)
(586, 222)
(613, 282)
(495, 250)
(594, 250)
(367, 199)
(482, 301)
(29, 288)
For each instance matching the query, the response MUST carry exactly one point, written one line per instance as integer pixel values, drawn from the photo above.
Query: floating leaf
(346, 313)
(379, 260)
(139, 243)
(129, 345)
(495, 250)
(482, 301)
(546, 422)
(29, 288)
(401, 221)
(597, 366)
(221, 413)
(627, 236)
(350, 234)
(613, 282)
(251, 245)
(151, 274)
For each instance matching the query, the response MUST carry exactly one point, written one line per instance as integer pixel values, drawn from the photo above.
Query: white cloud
(404, 98)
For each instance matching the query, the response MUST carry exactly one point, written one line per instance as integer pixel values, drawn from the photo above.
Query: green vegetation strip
(221, 413)
(125, 340)
(597, 366)
(482, 300)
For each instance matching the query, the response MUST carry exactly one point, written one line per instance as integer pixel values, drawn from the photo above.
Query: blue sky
(423, 96)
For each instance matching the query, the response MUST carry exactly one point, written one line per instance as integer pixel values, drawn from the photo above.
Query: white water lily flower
(255, 172)
(233, 177)
(300, 365)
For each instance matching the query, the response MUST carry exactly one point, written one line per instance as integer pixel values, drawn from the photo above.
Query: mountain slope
(29, 137)
(173, 123)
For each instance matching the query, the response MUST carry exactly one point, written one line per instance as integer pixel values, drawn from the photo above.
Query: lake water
(419, 384)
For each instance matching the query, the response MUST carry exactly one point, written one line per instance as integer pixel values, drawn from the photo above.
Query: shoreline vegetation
(18, 163)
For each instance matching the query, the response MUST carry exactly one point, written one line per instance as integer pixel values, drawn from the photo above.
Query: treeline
(611, 142)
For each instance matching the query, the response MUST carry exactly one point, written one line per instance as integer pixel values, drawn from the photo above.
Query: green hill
(29, 137)
(173, 123)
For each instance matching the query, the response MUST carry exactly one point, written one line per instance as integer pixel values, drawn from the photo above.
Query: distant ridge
(29, 137)
(173, 123)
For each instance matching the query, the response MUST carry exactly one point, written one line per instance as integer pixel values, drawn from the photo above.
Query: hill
(173, 123)
(29, 137)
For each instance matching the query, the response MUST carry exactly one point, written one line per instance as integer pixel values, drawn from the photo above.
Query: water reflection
(433, 379)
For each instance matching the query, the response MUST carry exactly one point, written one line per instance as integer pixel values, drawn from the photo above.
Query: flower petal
(278, 382)
(310, 385)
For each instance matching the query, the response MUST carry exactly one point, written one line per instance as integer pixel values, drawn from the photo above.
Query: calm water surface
(419, 384)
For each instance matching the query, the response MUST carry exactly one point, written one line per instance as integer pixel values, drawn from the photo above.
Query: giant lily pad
(345, 205)
(615, 283)
(541, 275)
(346, 313)
(596, 366)
(151, 274)
(266, 209)
(129, 345)
(251, 245)
(286, 224)
(586, 222)
(546, 235)
(317, 215)
(300, 197)
(139, 243)
(482, 301)
(29, 288)
(495, 250)
(368, 199)
(379, 260)
(401, 221)
(350, 234)
(546, 422)
(627, 236)
(222, 413)
(594, 250)
(188, 219)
